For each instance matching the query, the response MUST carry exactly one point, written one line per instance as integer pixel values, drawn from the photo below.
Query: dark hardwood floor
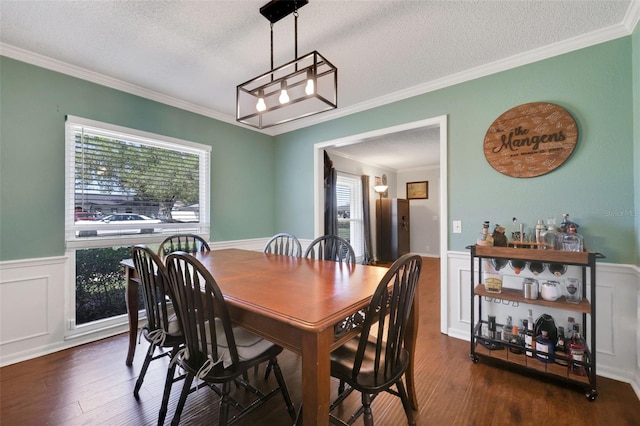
(90, 385)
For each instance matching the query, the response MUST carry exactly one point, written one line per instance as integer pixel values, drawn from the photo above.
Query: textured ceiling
(193, 54)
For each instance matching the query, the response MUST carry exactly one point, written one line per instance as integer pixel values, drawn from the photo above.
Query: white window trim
(109, 326)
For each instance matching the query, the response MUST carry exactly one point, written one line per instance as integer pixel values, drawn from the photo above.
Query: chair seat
(251, 348)
(248, 345)
(343, 358)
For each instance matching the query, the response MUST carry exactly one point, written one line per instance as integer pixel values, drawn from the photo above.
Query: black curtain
(330, 199)
(366, 221)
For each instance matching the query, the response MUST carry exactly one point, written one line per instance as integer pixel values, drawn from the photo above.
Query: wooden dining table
(293, 302)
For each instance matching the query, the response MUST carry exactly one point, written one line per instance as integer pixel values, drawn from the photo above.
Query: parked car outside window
(119, 223)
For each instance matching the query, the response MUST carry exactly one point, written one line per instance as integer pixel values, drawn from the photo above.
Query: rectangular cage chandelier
(306, 86)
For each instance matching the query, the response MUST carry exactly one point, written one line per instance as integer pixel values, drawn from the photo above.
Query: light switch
(457, 227)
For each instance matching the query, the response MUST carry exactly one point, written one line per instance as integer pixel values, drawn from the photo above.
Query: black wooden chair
(285, 244)
(377, 360)
(337, 249)
(189, 243)
(216, 352)
(331, 247)
(162, 329)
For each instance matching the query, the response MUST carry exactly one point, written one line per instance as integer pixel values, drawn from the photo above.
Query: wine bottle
(517, 265)
(529, 338)
(557, 269)
(536, 267)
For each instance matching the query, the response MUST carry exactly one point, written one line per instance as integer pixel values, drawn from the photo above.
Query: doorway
(440, 123)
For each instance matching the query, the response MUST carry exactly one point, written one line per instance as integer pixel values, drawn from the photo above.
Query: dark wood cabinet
(393, 224)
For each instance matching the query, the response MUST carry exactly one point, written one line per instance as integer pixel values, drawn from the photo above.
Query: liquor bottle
(572, 241)
(499, 239)
(551, 238)
(507, 330)
(569, 330)
(539, 231)
(544, 347)
(484, 238)
(561, 347)
(491, 277)
(576, 353)
(529, 338)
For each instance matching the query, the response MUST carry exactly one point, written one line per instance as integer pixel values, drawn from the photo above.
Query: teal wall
(595, 186)
(261, 185)
(33, 105)
(636, 115)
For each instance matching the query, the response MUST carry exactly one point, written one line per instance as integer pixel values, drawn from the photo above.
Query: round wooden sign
(530, 140)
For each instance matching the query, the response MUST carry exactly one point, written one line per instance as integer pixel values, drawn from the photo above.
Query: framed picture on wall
(418, 190)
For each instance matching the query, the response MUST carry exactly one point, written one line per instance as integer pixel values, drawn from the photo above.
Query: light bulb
(261, 106)
(309, 89)
(284, 97)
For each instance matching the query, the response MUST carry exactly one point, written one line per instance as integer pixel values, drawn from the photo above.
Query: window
(349, 202)
(122, 182)
(124, 187)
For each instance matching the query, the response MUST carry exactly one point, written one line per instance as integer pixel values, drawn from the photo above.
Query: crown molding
(596, 37)
(535, 55)
(103, 80)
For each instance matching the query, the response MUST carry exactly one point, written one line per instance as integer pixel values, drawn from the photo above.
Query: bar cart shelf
(504, 353)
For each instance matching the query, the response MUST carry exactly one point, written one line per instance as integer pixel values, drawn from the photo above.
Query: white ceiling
(193, 54)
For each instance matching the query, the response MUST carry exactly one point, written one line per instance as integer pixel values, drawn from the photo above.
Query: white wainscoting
(31, 307)
(617, 315)
(32, 310)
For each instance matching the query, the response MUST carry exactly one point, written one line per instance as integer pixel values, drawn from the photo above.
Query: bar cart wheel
(591, 395)
(474, 358)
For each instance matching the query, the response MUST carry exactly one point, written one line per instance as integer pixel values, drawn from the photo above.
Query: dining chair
(337, 249)
(377, 359)
(162, 329)
(331, 247)
(216, 352)
(189, 243)
(285, 244)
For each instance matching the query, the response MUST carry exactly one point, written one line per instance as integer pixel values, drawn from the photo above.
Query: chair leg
(143, 370)
(267, 370)
(283, 388)
(186, 388)
(224, 404)
(366, 405)
(167, 392)
(405, 402)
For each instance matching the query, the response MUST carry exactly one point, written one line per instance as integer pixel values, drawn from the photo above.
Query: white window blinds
(126, 184)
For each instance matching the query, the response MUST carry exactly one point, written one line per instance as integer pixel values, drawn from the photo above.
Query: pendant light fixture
(306, 86)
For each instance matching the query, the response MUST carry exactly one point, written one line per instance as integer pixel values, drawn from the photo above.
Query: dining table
(293, 302)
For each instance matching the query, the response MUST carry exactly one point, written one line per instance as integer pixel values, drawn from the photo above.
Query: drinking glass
(574, 290)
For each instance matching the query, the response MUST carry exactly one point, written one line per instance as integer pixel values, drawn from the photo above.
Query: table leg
(131, 296)
(411, 337)
(316, 377)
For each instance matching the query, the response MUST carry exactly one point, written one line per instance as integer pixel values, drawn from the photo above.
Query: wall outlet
(457, 227)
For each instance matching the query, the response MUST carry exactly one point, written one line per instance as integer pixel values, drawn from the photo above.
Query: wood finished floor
(90, 385)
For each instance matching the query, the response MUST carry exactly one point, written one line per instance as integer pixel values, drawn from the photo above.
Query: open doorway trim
(318, 193)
